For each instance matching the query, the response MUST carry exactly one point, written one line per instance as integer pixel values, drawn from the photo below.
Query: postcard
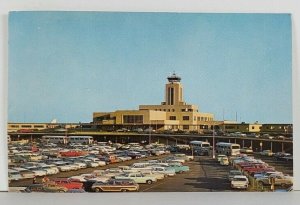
(149, 102)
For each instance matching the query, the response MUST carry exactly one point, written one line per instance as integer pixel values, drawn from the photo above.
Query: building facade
(172, 114)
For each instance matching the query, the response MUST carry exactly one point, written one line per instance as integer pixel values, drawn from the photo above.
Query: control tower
(173, 93)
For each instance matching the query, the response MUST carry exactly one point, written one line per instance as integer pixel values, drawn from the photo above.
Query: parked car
(49, 187)
(14, 175)
(116, 185)
(233, 173)
(138, 178)
(279, 179)
(220, 156)
(25, 173)
(224, 161)
(164, 170)
(239, 182)
(266, 153)
(68, 183)
(179, 168)
(246, 150)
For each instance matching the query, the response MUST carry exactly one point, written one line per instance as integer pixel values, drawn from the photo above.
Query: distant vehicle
(149, 130)
(266, 153)
(233, 173)
(116, 185)
(164, 170)
(138, 178)
(229, 149)
(220, 156)
(239, 182)
(55, 139)
(184, 156)
(267, 136)
(280, 137)
(224, 161)
(200, 147)
(25, 130)
(246, 150)
(179, 168)
(80, 139)
(25, 173)
(14, 175)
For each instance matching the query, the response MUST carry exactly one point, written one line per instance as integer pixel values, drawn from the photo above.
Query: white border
(214, 6)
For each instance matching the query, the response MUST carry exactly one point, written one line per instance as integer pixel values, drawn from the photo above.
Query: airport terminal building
(172, 114)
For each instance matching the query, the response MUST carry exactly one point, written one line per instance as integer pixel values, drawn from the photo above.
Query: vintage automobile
(14, 175)
(164, 170)
(152, 174)
(233, 173)
(224, 161)
(279, 179)
(49, 187)
(68, 183)
(138, 178)
(267, 153)
(179, 168)
(246, 150)
(239, 182)
(116, 185)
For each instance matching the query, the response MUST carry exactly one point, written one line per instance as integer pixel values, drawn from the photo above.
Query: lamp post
(213, 154)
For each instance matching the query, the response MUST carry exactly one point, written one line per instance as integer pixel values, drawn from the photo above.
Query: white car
(152, 174)
(224, 161)
(81, 164)
(220, 156)
(164, 170)
(14, 175)
(38, 171)
(92, 164)
(239, 182)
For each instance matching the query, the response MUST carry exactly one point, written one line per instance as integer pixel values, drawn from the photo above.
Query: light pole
(213, 154)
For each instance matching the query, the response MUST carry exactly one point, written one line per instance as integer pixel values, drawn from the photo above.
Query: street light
(213, 154)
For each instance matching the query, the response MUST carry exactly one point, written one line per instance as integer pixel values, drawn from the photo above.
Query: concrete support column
(271, 147)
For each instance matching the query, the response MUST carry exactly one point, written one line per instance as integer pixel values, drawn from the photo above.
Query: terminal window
(172, 117)
(186, 117)
(133, 118)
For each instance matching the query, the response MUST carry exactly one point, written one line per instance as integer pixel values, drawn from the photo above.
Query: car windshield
(205, 145)
(235, 173)
(235, 147)
(239, 179)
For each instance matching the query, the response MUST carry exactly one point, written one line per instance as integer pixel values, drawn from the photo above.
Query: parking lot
(205, 175)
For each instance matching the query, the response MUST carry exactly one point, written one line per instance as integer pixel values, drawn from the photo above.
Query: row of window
(27, 126)
(228, 127)
(133, 119)
(188, 118)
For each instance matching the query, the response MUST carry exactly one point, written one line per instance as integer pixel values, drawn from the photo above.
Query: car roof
(240, 176)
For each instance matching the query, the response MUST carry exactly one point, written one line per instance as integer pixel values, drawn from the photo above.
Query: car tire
(124, 190)
(149, 181)
(180, 172)
(98, 190)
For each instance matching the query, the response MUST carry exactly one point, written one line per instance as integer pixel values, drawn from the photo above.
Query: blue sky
(67, 65)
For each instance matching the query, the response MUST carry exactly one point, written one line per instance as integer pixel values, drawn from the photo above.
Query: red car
(72, 153)
(68, 183)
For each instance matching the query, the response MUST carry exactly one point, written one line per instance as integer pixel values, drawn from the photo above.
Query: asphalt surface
(205, 175)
